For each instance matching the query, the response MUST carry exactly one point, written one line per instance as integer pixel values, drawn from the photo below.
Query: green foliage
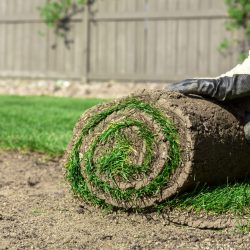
(53, 11)
(228, 198)
(239, 13)
(244, 228)
(224, 45)
(57, 14)
(115, 161)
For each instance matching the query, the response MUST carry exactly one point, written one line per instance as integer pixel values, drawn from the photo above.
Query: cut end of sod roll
(138, 151)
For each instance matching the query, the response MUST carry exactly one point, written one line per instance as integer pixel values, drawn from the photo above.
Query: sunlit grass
(39, 123)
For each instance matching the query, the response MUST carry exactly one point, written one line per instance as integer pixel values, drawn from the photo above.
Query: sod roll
(139, 151)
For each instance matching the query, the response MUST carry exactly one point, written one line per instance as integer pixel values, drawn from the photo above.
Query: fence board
(17, 48)
(192, 41)
(69, 50)
(121, 39)
(51, 51)
(146, 40)
(77, 52)
(151, 40)
(192, 53)
(40, 57)
(161, 42)
(2, 46)
(131, 40)
(111, 39)
(215, 40)
(93, 47)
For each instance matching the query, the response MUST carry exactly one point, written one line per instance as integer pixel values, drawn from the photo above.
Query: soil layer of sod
(139, 151)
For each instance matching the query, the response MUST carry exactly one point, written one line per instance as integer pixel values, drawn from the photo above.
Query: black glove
(223, 88)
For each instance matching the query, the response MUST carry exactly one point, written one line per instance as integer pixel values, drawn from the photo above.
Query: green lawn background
(39, 123)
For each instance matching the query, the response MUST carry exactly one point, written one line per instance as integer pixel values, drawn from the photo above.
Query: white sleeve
(243, 68)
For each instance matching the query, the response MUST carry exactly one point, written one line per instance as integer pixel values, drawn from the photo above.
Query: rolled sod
(139, 151)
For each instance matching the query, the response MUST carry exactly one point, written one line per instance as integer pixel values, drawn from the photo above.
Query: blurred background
(152, 41)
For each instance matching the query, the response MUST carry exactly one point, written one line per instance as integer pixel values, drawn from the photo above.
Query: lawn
(45, 124)
(39, 123)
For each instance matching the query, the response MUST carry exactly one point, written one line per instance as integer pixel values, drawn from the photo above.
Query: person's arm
(222, 88)
(231, 85)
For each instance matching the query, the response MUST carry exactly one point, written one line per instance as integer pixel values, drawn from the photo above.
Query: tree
(57, 15)
(239, 13)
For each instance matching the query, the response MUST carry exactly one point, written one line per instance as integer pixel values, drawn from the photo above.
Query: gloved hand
(221, 88)
(233, 84)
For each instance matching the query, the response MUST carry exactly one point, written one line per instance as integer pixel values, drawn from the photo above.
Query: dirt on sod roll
(139, 151)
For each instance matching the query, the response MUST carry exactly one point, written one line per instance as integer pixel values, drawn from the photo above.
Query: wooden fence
(131, 40)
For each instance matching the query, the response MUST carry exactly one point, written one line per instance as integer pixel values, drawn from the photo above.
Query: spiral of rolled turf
(134, 152)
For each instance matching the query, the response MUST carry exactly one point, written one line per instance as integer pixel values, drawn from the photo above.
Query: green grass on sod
(45, 124)
(233, 198)
(39, 123)
(154, 187)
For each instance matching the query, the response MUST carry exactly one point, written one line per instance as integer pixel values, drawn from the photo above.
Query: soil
(39, 212)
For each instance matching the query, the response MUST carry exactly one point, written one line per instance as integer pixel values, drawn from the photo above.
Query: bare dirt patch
(38, 212)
